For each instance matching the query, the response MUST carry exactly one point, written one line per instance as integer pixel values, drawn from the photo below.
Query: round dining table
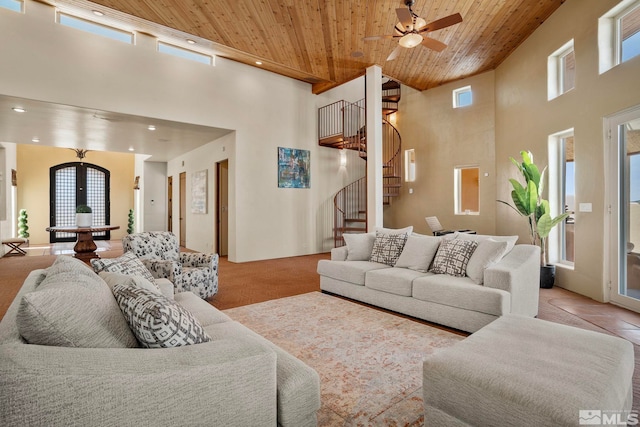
(85, 246)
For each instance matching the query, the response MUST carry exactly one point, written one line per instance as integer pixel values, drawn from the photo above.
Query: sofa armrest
(225, 382)
(519, 274)
(163, 269)
(196, 259)
(339, 254)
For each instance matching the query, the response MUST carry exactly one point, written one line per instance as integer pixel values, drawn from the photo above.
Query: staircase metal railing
(342, 125)
(350, 209)
(391, 161)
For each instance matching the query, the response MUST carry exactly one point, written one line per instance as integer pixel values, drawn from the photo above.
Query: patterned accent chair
(160, 253)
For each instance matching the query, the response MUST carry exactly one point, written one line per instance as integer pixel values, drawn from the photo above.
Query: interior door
(183, 209)
(170, 203)
(623, 134)
(223, 208)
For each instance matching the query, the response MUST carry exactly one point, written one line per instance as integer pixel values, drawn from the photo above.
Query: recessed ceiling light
(258, 63)
(191, 41)
(151, 127)
(97, 13)
(19, 109)
(35, 139)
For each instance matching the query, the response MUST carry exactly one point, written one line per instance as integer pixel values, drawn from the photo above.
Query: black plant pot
(547, 276)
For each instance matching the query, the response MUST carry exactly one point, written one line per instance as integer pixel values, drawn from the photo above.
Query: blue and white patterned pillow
(452, 257)
(156, 321)
(388, 247)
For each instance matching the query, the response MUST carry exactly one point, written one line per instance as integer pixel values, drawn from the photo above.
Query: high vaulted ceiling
(321, 41)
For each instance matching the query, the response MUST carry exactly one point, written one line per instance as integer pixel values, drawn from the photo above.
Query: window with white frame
(410, 165)
(185, 53)
(619, 34)
(462, 97)
(95, 28)
(467, 190)
(15, 5)
(562, 196)
(561, 71)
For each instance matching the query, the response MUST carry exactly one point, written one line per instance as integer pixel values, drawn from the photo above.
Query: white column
(373, 91)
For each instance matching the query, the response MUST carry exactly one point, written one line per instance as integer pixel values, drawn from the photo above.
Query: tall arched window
(73, 184)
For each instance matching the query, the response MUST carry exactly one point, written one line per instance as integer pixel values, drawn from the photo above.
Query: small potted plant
(130, 222)
(528, 202)
(84, 218)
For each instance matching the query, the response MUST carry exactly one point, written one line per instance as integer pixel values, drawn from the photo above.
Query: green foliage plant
(23, 226)
(83, 209)
(528, 202)
(130, 223)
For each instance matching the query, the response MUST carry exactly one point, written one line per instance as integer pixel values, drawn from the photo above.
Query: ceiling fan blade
(394, 54)
(438, 24)
(433, 44)
(369, 38)
(404, 16)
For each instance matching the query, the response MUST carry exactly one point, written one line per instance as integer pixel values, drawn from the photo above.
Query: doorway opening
(222, 197)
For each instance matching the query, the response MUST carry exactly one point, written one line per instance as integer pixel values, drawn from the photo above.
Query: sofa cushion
(348, 271)
(387, 247)
(155, 320)
(71, 308)
(359, 245)
(392, 280)
(128, 264)
(461, 292)
(486, 254)
(452, 257)
(418, 252)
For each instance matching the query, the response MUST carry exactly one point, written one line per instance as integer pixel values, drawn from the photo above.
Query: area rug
(369, 361)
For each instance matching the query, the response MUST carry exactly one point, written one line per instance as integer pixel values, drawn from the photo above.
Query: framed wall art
(294, 168)
(199, 192)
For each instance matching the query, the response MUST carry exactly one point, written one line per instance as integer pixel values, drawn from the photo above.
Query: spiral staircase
(342, 126)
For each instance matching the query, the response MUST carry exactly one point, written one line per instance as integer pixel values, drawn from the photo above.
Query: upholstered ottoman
(524, 371)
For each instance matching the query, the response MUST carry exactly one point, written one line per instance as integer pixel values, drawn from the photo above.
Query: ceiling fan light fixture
(410, 40)
(419, 23)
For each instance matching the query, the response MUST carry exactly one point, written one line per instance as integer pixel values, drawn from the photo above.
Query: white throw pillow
(511, 240)
(113, 279)
(418, 252)
(487, 253)
(359, 245)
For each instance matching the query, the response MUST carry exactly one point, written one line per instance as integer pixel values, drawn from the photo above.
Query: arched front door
(78, 183)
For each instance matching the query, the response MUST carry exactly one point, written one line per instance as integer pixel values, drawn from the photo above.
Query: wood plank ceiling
(321, 41)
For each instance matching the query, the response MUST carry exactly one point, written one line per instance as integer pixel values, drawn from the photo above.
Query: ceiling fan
(411, 30)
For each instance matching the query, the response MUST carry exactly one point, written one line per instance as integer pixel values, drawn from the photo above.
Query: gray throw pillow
(387, 248)
(418, 252)
(128, 264)
(72, 309)
(155, 320)
(359, 245)
(453, 256)
(486, 254)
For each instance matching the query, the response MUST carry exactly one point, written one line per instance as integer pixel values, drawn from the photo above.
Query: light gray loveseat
(236, 379)
(504, 279)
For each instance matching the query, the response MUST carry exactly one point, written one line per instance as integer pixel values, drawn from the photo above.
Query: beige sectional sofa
(88, 369)
(499, 277)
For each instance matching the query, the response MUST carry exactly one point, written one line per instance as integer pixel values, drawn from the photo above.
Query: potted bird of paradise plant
(529, 203)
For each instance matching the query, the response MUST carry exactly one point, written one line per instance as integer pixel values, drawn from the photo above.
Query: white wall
(8, 223)
(265, 110)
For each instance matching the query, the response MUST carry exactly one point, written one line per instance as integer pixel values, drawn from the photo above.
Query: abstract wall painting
(199, 192)
(294, 168)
